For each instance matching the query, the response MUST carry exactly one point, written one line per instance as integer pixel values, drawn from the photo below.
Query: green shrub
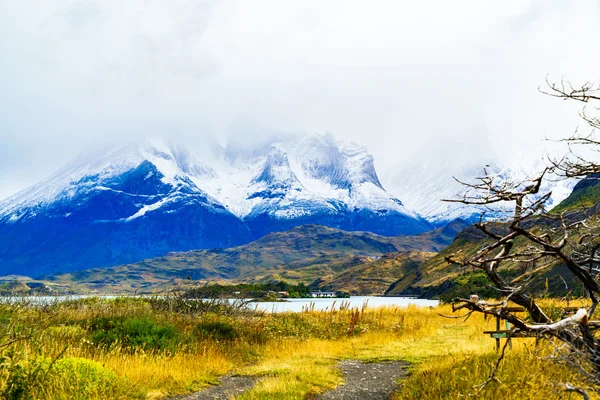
(20, 380)
(68, 378)
(217, 330)
(135, 333)
(78, 378)
(468, 284)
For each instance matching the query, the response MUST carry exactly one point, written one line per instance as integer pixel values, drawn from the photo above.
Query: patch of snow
(423, 186)
(151, 207)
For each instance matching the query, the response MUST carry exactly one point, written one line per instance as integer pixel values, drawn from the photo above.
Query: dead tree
(534, 236)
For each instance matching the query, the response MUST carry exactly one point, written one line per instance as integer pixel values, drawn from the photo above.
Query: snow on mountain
(91, 171)
(424, 184)
(145, 199)
(283, 178)
(114, 207)
(307, 178)
(142, 200)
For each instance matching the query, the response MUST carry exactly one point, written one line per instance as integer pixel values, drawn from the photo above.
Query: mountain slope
(586, 193)
(373, 277)
(145, 199)
(435, 277)
(423, 184)
(100, 218)
(302, 254)
(309, 179)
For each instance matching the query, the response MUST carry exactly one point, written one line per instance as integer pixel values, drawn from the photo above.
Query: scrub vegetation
(159, 347)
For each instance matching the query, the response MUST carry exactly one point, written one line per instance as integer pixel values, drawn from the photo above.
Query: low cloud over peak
(397, 77)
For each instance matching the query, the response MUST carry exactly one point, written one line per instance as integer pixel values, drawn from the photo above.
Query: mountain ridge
(146, 199)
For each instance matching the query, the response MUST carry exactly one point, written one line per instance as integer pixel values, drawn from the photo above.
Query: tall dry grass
(144, 348)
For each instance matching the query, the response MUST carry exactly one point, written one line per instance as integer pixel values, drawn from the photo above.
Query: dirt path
(373, 381)
(229, 387)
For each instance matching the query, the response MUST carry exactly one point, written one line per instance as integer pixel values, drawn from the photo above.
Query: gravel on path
(229, 387)
(362, 381)
(373, 381)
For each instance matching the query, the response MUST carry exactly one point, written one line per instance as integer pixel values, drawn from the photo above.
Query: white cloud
(407, 79)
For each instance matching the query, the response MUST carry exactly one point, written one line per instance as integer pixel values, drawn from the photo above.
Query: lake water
(291, 305)
(298, 305)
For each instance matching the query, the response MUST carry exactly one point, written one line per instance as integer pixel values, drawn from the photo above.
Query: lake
(298, 305)
(290, 305)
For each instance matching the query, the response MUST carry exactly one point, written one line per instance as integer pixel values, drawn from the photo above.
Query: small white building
(318, 293)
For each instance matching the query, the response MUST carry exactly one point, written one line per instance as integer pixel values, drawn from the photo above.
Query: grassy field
(156, 348)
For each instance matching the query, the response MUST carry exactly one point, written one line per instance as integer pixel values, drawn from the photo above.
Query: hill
(435, 277)
(586, 193)
(302, 254)
(375, 276)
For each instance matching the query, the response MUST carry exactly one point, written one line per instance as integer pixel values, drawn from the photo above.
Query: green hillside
(435, 277)
(585, 194)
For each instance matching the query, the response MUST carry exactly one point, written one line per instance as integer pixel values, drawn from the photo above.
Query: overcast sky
(407, 79)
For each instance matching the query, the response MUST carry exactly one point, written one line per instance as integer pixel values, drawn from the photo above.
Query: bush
(20, 380)
(78, 378)
(468, 284)
(135, 333)
(68, 378)
(217, 330)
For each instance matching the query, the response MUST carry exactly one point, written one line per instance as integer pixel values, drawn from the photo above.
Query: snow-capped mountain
(294, 180)
(423, 186)
(146, 199)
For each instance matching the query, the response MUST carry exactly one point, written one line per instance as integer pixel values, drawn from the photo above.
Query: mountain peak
(276, 168)
(155, 196)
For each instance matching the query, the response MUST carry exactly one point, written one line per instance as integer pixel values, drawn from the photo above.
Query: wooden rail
(499, 334)
(504, 333)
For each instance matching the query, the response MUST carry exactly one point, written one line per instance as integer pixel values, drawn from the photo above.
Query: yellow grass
(448, 357)
(295, 356)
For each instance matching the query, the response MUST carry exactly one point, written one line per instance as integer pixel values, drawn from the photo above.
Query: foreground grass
(144, 348)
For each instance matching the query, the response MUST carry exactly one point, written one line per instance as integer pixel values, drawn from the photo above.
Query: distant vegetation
(24, 287)
(437, 278)
(129, 348)
(270, 290)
